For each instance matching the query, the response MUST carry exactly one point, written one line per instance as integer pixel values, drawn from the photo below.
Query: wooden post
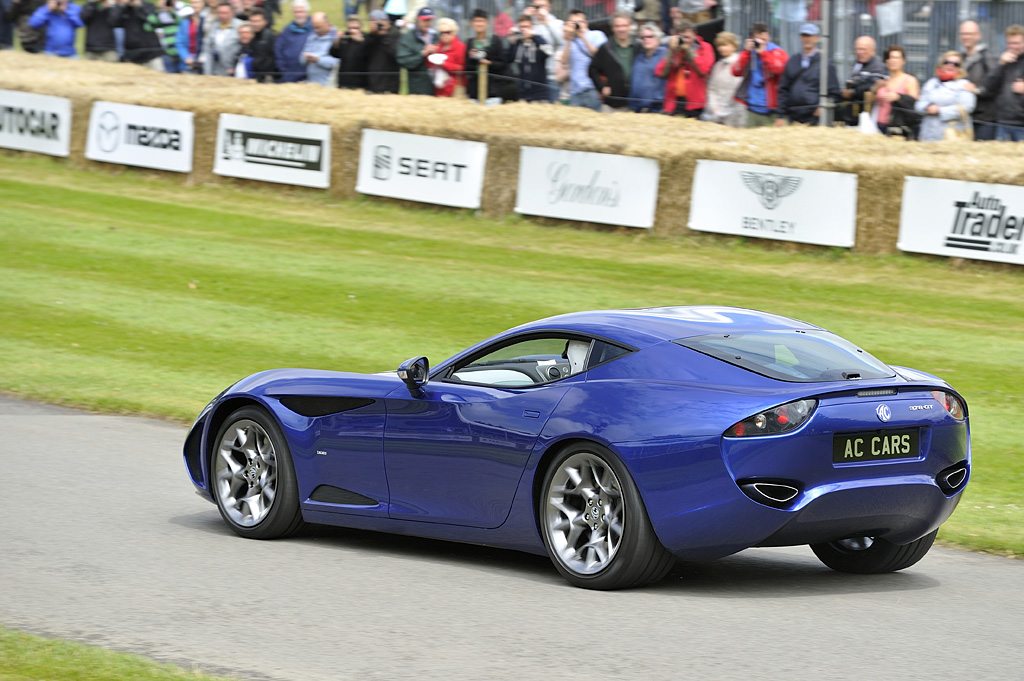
(481, 89)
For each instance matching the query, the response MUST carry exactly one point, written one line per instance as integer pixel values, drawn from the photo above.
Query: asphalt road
(103, 541)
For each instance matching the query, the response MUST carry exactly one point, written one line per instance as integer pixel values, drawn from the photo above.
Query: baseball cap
(425, 13)
(378, 15)
(810, 29)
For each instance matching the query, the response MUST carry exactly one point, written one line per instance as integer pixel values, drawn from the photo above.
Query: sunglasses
(951, 63)
(446, 32)
(645, 37)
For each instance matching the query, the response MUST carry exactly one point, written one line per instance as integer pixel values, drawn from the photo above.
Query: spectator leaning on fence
(528, 56)
(979, 62)
(141, 44)
(484, 49)
(549, 29)
(798, 91)
(190, 37)
(100, 17)
(350, 50)
(316, 53)
(220, 41)
(414, 47)
(722, 106)
(760, 64)
(381, 47)
(1006, 85)
(291, 42)
(896, 97)
(686, 68)
(578, 57)
(612, 67)
(868, 70)
(946, 101)
(61, 20)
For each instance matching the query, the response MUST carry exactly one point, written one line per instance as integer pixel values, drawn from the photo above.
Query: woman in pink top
(895, 97)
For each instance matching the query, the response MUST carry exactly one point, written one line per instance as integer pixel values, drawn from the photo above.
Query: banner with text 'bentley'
(962, 219)
(267, 149)
(140, 136)
(38, 123)
(768, 202)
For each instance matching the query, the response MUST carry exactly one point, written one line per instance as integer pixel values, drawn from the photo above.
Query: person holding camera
(141, 44)
(761, 65)
(414, 48)
(99, 18)
(528, 55)
(549, 29)
(61, 20)
(350, 50)
(577, 58)
(484, 49)
(685, 69)
(381, 49)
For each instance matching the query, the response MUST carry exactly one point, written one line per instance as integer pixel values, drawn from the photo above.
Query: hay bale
(881, 163)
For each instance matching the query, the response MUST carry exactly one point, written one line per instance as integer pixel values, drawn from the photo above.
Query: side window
(604, 352)
(526, 363)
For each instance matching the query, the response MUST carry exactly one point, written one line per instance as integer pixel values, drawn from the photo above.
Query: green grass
(132, 293)
(24, 657)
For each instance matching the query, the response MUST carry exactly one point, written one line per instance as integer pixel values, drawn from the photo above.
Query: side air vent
(335, 495)
(878, 392)
(312, 406)
(774, 493)
(952, 479)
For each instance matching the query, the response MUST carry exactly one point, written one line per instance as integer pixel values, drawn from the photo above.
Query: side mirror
(414, 373)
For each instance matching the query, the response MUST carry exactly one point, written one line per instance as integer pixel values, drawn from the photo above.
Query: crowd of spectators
(644, 68)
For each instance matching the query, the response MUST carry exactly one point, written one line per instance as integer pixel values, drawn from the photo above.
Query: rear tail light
(775, 421)
(950, 402)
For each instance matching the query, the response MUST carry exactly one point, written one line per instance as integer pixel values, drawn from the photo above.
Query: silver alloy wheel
(856, 543)
(584, 513)
(245, 473)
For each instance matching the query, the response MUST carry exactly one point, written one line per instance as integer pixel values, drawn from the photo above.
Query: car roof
(646, 326)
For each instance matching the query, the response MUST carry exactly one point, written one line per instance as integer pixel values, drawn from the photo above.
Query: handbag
(953, 132)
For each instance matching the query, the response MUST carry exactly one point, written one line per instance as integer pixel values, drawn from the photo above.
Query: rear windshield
(796, 356)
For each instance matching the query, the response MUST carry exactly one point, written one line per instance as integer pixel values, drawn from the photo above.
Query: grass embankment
(32, 658)
(130, 293)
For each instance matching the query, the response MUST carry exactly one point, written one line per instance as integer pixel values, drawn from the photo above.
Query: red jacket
(455, 64)
(773, 64)
(695, 72)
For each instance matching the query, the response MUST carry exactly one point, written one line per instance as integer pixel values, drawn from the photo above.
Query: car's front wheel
(872, 555)
(252, 476)
(594, 524)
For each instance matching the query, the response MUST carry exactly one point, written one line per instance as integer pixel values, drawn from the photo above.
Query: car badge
(883, 412)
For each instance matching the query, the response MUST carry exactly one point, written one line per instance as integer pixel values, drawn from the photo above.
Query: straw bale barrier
(880, 163)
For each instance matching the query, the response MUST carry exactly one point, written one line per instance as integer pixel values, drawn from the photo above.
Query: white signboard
(767, 202)
(578, 185)
(273, 151)
(419, 168)
(962, 219)
(37, 123)
(140, 136)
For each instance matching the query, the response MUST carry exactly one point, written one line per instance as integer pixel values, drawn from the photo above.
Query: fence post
(481, 85)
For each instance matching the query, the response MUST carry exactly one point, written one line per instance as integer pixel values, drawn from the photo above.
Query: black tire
(636, 556)
(264, 463)
(881, 556)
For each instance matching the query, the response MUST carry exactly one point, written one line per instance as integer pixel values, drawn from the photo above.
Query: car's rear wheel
(872, 555)
(252, 476)
(594, 524)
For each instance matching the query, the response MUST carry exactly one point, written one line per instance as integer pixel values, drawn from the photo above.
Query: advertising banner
(962, 219)
(38, 123)
(419, 168)
(579, 185)
(267, 149)
(768, 202)
(140, 136)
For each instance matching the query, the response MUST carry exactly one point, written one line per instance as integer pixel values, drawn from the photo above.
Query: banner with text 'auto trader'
(962, 219)
(436, 170)
(769, 202)
(38, 123)
(140, 136)
(267, 149)
(589, 187)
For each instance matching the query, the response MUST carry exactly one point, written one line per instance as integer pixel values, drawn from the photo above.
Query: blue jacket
(290, 45)
(184, 52)
(60, 29)
(646, 89)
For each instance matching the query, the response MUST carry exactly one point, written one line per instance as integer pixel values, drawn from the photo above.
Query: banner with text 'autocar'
(769, 202)
(589, 187)
(140, 136)
(38, 123)
(962, 219)
(285, 152)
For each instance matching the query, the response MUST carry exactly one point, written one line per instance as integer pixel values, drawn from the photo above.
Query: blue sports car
(614, 442)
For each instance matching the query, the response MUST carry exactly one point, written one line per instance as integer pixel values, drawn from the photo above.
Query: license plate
(876, 445)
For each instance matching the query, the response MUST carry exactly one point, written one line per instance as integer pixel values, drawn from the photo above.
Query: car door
(456, 454)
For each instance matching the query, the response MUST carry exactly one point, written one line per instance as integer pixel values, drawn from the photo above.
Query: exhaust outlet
(774, 493)
(953, 478)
